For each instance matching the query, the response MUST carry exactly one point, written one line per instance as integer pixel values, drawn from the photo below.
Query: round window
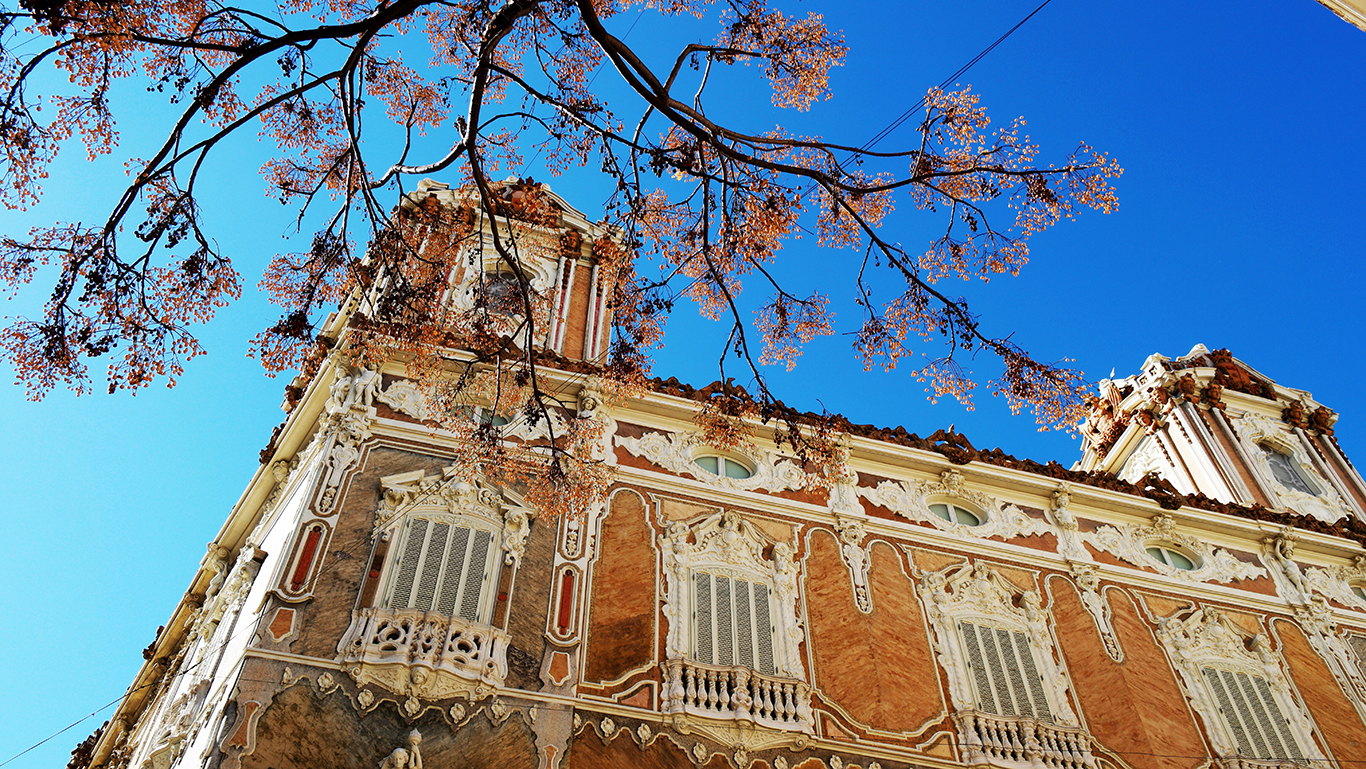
(1173, 558)
(956, 514)
(722, 466)
(1359, 591)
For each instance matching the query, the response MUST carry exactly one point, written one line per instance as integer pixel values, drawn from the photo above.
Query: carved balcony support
(1022, 742)
(424, 654)
(736, 694)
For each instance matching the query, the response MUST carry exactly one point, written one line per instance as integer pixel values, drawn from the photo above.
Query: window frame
(393, 571)
(723, 460)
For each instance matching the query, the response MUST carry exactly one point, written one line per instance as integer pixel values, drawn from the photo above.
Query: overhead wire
(884, 133)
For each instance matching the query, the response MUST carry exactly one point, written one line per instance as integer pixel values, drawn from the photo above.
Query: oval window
(956, 514)
(1359, 591)
(1170, 557)
(722, 466)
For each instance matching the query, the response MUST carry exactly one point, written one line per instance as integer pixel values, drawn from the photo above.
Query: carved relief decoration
(726, 542)
(912, 499)
(1070, 544)
(1278, 553)
(404, 396)
(1316, 620)
(856, 558)
(675, 452)
(445, 498)
(1335, 582)
(1093, 600)
(1207, 639)
(977, 593)
(1256, 431)
(1149, 458)
(1130, 542)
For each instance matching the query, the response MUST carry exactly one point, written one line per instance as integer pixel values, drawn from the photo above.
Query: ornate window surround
(1336, 582)
(1256, 431)
(728, 544)
(676, 451)
(1130, 542)
(912, 499)
(976, 593)
(1208, 639)
(428, 654)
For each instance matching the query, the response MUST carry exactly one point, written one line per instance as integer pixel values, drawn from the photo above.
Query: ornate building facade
(1192, 593)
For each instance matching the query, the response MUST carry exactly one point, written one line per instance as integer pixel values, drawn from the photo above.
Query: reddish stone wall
(576, 322)
(1334, 714)
(1134, 708)
(878, 666)
(589, 751)
(621, 617)
(323, 620)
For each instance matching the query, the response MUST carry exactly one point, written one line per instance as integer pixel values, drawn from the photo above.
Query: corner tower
(1210, 424)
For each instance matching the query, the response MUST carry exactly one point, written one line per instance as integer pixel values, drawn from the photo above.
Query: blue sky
(1240, 129)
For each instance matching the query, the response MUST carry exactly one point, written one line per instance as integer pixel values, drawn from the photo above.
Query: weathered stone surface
(590, 751)
(301, 729)
(1334, 714)
(529, 607)
(323, 620)
(576, 322)
(622, 614)
(1134, 708)
(877, 666)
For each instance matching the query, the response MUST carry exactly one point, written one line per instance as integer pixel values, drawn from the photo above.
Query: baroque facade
(1191, 593)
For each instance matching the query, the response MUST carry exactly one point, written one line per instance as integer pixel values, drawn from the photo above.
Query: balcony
(736, 694)
(424, 654)
(1022, 742)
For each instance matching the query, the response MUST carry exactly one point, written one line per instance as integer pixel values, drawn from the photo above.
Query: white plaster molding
(404, 396)
(1093, 600)
(444, 498)
(1278, 554)
(1335, 582)
(1316, 620)
(856, 559)
(1149, 458)
(912, 499)
(1130, 542)
(1070, 543)
(1254, 431)
(727, 542)
(978, 594)
(675, 452)
(1208, 639)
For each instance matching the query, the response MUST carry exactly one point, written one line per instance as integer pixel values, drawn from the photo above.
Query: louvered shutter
(1004, 672)
(1252, 715)
(444, 568)
(732, 621)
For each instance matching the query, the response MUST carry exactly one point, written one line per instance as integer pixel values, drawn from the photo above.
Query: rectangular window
(733, 622)
(1004, 672)
(444, 568)
(1252, 716)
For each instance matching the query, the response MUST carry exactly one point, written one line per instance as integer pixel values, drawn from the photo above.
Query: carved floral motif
(417, 491)
(675, 452)
(1130, 542)
(912, 499)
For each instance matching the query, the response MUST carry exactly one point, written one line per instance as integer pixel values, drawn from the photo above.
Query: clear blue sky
(1240, 128)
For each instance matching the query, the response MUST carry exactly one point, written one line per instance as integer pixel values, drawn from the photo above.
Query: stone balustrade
(1022, 742)
(736, 694)
(426, 654)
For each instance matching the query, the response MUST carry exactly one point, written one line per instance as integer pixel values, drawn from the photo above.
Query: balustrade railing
(1022, 742)
(426, 652)
(736, 693)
